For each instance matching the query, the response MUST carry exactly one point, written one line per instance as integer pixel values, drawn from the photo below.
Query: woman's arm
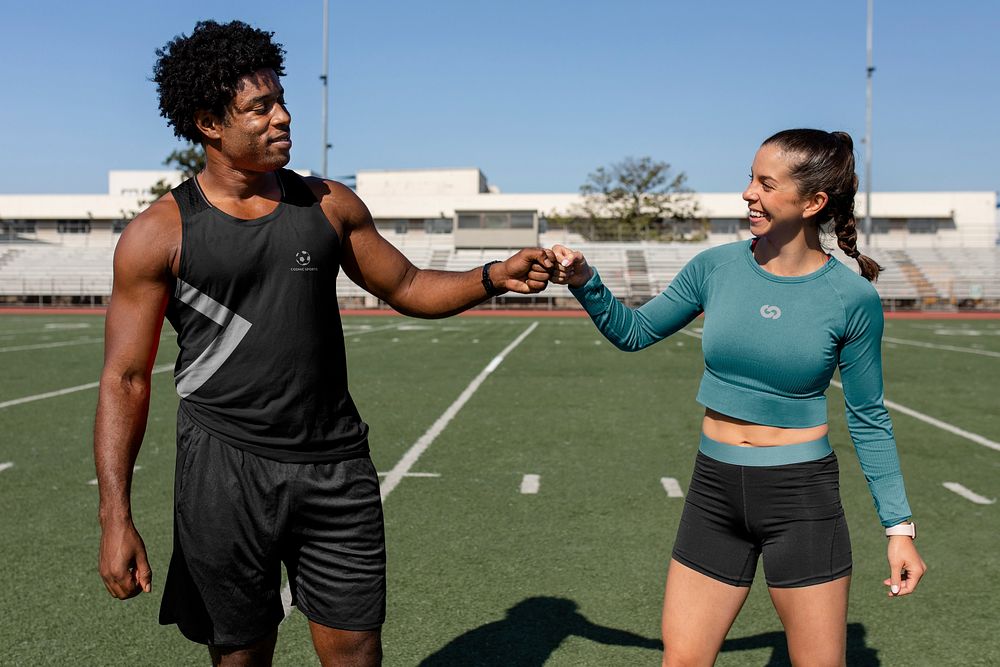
(871, 431)
(867, 418)
(630, 329)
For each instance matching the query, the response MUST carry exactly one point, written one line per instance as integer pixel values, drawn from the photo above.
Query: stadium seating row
(925, 276)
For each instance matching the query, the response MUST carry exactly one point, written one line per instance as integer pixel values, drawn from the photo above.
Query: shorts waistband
(778, 455)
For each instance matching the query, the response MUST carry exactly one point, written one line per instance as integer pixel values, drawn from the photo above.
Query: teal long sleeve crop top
(771, 344)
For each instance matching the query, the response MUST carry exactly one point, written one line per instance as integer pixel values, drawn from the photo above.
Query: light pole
(325, 78)
(868, 133)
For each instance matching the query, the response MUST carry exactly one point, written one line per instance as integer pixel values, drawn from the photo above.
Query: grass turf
(479, 573)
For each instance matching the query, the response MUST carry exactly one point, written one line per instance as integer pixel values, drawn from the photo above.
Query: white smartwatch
(908, 529)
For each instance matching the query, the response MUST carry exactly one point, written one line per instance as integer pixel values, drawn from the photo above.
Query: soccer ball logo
(302, 258)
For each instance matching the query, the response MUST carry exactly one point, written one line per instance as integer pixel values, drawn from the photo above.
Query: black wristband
(491, 290)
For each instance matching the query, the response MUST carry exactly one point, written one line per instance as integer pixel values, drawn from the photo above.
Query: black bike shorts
(789, 513)
(239, 516)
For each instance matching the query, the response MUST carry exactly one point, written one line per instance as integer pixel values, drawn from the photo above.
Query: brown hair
(824, 162)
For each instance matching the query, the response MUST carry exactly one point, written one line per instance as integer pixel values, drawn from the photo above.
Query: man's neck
(243, 194)
(224, 181)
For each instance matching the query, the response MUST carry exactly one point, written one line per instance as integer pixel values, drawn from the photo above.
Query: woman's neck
(796, 255)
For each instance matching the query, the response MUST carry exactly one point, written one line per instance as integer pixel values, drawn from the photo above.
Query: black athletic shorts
(789, 513)
(238, 516)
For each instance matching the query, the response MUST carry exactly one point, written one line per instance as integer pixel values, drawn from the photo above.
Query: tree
(188, 160)
(635, 199)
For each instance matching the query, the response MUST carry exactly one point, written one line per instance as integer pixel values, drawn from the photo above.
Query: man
(272, 461)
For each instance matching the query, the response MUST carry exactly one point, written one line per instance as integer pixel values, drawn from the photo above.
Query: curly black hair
(200, 72)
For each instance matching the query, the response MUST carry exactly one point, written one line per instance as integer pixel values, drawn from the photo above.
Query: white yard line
(402, 469)
(372, 330)
(69, 390)
(415, 474)
(286, 600)
(6, 466)
(92, 385)
(395, 476)
(934, 346)
(530, 484)
(672, 487)
(43, 346)
(47, 329)
(93, 482)
(967, 494)
(944, 426)
(916, 414)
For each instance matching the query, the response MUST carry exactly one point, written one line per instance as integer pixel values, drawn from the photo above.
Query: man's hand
(906, 567)
(527, 272)
(571, 267)
(123, 565)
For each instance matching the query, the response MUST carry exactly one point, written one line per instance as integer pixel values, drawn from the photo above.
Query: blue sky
(535, 93)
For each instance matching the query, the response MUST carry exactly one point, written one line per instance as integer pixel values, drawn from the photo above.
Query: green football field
(478, 412)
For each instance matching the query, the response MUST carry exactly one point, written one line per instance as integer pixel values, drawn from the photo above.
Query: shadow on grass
(528, 635)
(858, 653)
(534, 628)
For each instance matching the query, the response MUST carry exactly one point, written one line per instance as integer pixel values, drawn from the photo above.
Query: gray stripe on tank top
(234, 328)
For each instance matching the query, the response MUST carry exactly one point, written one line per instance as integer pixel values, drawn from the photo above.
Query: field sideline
(533, 479)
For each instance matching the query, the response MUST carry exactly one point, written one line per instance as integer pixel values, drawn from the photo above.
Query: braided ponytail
(845, 228)
(826, 164)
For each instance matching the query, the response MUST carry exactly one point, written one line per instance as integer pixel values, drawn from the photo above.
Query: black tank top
(262, 363)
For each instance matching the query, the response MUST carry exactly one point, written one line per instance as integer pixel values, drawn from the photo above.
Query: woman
(780, 316)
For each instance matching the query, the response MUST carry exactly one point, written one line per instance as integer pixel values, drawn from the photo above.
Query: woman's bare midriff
(732, 431)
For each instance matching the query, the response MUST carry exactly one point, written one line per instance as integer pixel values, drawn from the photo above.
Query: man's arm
(378, 267)
(142, 279)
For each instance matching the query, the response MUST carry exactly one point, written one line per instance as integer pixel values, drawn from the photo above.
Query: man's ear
(815, 204)
(208, 124)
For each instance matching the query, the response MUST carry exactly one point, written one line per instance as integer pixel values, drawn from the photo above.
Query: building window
(521, 220)
(922, 226)
(19, 226)
(438, 225)
(724, 225)
(906, 225)
(497, 220)
(118, 226)
(73, 226)
(388, 225)
(879, 225)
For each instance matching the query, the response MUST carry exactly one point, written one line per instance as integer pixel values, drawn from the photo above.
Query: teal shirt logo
(770, 312)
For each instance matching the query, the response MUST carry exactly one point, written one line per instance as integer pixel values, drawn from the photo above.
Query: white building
(938, 248)
(458, 207)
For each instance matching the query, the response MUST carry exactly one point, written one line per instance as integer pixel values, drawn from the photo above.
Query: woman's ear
(815, 204)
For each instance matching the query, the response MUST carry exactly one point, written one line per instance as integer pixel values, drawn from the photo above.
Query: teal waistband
(778, 455)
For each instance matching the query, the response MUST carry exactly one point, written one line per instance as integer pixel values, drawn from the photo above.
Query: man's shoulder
(162, 213)
(325, 188)
(154, 232)
(338, 200)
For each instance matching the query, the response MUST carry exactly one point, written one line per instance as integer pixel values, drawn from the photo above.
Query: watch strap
(488, 285)
(908, 529)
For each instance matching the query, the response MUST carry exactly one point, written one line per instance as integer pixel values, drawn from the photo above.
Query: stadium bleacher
(912, 278)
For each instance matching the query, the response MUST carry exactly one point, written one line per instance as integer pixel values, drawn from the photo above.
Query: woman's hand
(906, 567)
(571, 267)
